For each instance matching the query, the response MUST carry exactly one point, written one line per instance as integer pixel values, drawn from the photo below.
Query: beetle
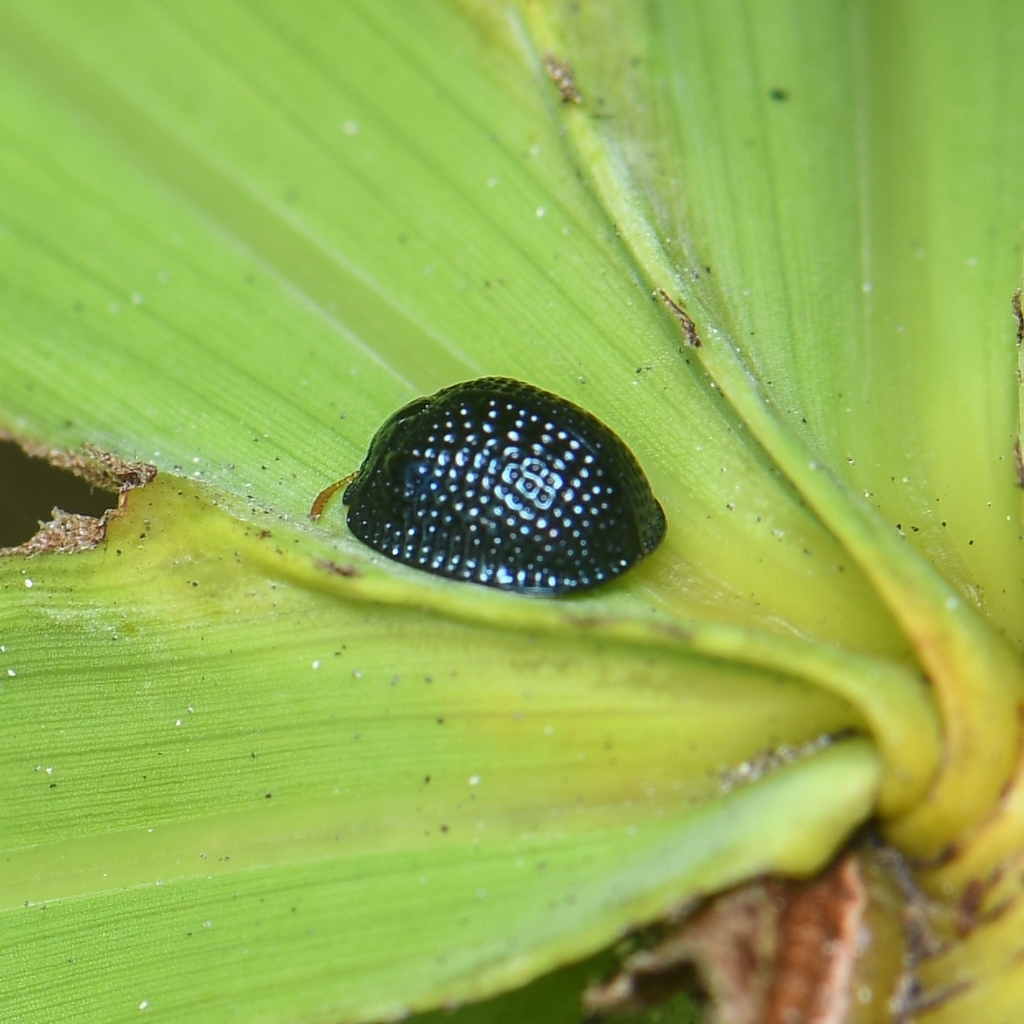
(496, 481)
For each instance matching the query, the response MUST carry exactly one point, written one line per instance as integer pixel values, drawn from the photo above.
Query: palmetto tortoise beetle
(498, 482)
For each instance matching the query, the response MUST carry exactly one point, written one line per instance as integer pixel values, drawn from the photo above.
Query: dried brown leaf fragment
(560, 72)
(68, 532)
(771, 951)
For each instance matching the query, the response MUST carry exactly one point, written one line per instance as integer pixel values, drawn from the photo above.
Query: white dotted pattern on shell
(495, 481)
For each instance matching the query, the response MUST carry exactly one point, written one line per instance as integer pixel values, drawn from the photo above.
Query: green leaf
(237, 237)
(256, 778)
(343, 266)
(977, 678)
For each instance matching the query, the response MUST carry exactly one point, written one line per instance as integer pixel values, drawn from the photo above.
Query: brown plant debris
(560, 72)
(102, 468)
(1018, 462)
(767, 761)
(93, 464)
(929, 927)
(1018, 315)
(768, 952)
(68, 532)
(338, 569)
(688, 326)
(921, 917)
(968, 908)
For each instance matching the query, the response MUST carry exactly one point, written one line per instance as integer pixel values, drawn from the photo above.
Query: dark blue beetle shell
(495, 481)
